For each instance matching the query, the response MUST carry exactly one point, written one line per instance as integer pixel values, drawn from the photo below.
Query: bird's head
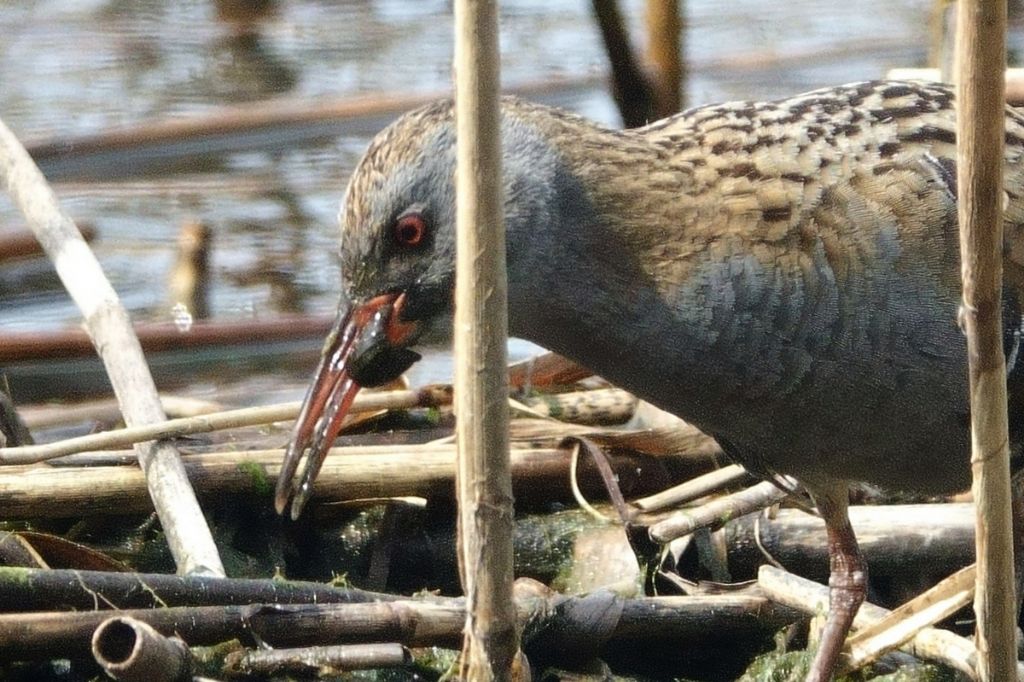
(397, 263)
(398, 258)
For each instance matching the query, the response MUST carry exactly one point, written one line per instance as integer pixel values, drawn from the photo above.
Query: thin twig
(110, 329)
(313, 660)
(174, 428)
(568, 406)
(716, 512)
(105, 410)
(691, 490)
(900, 626)
(930, 643)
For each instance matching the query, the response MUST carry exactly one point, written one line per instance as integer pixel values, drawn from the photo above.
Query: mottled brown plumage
(784, 275)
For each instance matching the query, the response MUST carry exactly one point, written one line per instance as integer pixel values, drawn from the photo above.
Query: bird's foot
(846, 594)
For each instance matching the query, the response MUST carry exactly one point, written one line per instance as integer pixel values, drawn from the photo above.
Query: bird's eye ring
(410, 230)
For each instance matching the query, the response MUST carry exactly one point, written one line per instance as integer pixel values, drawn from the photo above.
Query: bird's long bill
(364, 348)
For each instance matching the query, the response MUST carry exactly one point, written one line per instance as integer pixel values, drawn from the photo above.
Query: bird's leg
(847, 578)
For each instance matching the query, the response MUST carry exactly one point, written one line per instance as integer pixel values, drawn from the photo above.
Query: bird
(785, 275)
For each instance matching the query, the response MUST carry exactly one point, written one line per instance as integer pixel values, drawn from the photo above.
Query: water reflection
(245, 66)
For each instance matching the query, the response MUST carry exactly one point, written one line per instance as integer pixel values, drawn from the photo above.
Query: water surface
(70, 68)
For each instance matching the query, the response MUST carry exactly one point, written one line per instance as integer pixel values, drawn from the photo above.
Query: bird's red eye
(410, 230)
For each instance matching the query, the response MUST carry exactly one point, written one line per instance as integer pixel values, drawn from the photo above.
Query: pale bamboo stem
(484, 483)
(111, 332)
(981, 49)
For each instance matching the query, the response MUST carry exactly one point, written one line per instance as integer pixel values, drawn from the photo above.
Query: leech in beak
(365, 348)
